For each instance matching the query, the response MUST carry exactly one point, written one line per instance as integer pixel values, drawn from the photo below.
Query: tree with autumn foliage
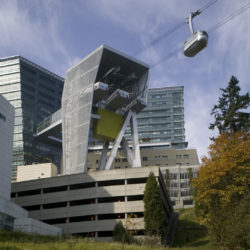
(222, 190)
(222, 186)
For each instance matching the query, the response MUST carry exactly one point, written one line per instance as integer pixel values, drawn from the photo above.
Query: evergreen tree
(228, 113)
(153, 208)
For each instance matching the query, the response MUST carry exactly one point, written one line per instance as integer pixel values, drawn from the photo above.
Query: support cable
(211, 29)
(175, 28)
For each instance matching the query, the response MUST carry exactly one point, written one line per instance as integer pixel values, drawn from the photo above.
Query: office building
(178, 184)
(90, 204)
(35, 93)
(162, 120)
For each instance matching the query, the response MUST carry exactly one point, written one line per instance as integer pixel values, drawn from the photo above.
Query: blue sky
(58, 33)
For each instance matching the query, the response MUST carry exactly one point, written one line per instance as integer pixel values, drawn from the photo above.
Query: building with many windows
(178, 184)
(163, 118)
(153, 154)
(35, 93)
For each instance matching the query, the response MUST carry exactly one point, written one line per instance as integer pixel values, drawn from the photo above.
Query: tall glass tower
(162, 120)
(35, 93)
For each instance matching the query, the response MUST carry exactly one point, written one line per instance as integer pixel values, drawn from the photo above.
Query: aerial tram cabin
(197, 41)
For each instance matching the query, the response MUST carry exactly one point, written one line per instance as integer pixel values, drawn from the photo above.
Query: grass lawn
(190, 235)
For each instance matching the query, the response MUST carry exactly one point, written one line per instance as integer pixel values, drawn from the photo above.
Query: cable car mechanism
(198, 39)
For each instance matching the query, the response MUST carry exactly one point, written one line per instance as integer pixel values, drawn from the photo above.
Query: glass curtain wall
(35, 93)
(163, 118)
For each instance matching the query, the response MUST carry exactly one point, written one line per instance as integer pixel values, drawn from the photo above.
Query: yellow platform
(108, 126)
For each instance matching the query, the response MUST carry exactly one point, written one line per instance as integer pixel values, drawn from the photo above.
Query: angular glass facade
(163, 118)
(6, 222)
(35, 93)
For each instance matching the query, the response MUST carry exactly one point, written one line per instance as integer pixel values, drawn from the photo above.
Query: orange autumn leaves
(223, 185)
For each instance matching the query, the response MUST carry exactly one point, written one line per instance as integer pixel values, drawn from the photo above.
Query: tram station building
(106, 159)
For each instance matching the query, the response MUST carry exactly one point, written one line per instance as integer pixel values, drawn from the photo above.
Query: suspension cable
(211, 29)
(172, 30)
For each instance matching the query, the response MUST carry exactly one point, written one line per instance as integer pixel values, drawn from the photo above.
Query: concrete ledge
(12, 209)
(29, 225)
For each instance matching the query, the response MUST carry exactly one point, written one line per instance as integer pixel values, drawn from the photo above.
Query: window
(55, 205)
(177, 110)
(173, 184)
(184, 184)
(111, 199)
(173, 193)
(82, 185)
(136, 180)
(164, 157)
(82, 218)
(178, 131)
(158, 157)
(54, 189)
(184, 175)
(185, 193)
(110, 183)
(177, 117)
(135, 198)
(188, 202)
(29, 192)
(144, 158)
(173, 203)
(82, 202)
(186, 156)
(2, 117)
(178, 156)
(172, 176)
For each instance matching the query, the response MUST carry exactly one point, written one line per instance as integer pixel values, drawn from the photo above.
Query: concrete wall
(36, 171)
(6, 146)
(12, 209)
(29, 225)
(150, 157)
(89, 204)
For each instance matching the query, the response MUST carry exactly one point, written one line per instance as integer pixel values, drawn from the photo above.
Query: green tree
(167, 180)
(153, 208)
(120, 234)
(222, 190)
(228, 113)
(190, 178)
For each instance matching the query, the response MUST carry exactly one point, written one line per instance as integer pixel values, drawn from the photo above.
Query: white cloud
(30, 28)
(198, 106)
